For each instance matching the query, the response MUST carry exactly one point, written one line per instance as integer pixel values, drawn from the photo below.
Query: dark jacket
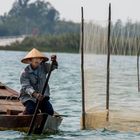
(33, 81)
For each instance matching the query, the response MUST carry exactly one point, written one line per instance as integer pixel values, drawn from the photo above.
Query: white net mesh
(95, 37)
(124, 38)
(95, 42)
(124, 98)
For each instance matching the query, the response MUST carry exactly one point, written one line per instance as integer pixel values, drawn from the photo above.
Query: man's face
(35, 62)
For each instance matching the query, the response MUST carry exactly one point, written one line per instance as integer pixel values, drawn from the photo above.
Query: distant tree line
(125, 39)
(67, 42)
(37, 18)
(48, 32)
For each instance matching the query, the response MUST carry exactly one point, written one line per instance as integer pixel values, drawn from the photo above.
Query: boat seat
(13, 112)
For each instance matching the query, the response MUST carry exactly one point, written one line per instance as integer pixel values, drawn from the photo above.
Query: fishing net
(95, 40)
(124, 98)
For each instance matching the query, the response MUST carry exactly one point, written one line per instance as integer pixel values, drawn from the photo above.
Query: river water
(65, 86)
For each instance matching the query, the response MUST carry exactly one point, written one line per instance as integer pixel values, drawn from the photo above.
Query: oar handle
(53, 58)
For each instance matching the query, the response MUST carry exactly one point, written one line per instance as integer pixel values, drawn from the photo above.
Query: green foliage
(38, 17)
(68, 42)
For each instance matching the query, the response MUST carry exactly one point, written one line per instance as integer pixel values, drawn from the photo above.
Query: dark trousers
(45, 107)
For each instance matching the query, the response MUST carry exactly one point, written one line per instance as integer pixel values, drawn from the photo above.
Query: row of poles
(108, 66)
(82, 66)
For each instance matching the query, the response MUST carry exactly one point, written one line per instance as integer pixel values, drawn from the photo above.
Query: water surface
(65, 97)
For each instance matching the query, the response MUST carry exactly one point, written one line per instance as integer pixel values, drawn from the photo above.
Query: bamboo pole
(82, 68)
(108, 61)
(138, 52)
(138, 72)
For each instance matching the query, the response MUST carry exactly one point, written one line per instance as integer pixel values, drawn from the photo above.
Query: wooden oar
(38, 102)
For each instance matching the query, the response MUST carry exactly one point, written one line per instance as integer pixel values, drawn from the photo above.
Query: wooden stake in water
(108, 60)
(82, 68)
(138, 52)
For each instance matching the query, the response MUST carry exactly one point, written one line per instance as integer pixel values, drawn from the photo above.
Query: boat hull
(11, 116)
(22, 123)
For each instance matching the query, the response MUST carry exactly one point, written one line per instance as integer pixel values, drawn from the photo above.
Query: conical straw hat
(34, 53)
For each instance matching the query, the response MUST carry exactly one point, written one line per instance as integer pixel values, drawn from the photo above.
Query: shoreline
(41, 49)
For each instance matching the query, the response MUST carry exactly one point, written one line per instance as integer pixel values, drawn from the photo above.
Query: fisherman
(32, 81)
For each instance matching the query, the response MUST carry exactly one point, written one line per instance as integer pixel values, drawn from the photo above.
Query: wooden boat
(11, 109)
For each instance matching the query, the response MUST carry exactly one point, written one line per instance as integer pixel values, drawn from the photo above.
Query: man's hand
(54, 60)
(38, 96)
